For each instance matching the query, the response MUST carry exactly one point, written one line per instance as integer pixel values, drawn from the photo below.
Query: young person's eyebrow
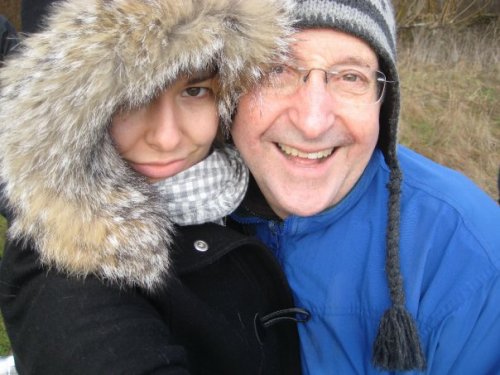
(201, 76)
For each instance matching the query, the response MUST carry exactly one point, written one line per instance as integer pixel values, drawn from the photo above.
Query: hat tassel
(397, 346)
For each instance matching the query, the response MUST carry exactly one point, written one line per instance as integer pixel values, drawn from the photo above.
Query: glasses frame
(304, 73)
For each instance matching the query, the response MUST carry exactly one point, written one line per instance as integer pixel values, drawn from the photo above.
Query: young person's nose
(164, 132)
(312, 108)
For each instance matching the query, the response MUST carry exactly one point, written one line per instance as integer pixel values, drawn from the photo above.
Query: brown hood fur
(72, 195)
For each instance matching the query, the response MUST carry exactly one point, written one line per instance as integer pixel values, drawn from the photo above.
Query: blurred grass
(4, 341)
(11, 9)
(450, 84)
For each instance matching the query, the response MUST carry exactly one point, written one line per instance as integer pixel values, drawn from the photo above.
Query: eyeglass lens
(351, 84)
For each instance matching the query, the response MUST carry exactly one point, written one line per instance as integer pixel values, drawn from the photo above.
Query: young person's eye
(196, 91)
(277, 69)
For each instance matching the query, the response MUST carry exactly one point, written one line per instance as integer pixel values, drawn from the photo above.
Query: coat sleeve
(60, 325)
(469, 338)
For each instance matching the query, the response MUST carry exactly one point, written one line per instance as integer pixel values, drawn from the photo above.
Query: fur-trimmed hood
(71, 193)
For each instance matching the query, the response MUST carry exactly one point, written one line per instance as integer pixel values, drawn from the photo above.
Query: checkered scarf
(208, 191)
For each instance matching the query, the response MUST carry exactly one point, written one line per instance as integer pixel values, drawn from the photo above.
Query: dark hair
(33, 13)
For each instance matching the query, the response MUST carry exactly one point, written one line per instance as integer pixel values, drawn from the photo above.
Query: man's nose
(164, 132)
(312, 112)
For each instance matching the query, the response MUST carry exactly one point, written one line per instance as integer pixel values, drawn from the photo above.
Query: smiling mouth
(290, 151)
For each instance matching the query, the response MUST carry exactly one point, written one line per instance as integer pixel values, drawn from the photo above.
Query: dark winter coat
(209, 319)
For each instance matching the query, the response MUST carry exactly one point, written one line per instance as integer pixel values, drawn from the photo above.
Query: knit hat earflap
(397, 345)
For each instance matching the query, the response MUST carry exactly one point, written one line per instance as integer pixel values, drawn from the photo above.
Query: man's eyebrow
(349, 60)
(201, 76)
(352, 60)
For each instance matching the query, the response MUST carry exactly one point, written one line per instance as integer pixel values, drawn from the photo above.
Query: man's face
(306, 149)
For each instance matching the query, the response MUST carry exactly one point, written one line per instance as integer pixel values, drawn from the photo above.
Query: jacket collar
(196, 246)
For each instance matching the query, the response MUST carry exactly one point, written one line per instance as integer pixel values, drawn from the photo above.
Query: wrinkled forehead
(324, 47)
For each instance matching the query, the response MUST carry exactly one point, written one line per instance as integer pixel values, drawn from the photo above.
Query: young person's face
(174, 132)
(305, 148)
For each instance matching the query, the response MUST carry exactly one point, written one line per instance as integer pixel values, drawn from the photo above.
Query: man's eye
(196, 91)
(350, 77)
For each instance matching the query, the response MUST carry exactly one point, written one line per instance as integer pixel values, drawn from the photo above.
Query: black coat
(210, 318)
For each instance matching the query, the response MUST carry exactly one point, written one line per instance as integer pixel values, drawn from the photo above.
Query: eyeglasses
(347, 83)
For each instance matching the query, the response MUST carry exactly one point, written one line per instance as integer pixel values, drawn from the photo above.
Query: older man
(396, 258)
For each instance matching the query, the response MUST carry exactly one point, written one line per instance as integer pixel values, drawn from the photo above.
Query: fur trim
(71, 193)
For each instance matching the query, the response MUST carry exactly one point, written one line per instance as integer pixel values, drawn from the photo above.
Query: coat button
(201, 245)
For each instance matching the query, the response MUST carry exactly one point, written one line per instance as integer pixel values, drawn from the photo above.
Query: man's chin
(303, 208)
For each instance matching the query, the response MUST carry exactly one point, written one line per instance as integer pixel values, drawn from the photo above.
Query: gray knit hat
(397, 346)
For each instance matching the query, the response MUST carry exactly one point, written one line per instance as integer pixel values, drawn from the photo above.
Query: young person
(108, 120)
(396, 258)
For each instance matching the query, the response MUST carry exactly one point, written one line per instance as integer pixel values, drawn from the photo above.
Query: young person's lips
(159, 170)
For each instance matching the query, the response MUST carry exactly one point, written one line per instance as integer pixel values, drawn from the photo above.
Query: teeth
(313, 155)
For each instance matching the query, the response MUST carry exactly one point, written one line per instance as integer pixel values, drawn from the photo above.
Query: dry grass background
(449, 65)
(450, 80)
(11, 9)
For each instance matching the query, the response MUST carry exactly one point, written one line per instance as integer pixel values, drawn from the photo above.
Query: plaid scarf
(208, 191)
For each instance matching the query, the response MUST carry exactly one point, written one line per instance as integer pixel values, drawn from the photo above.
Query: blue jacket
(450, 261)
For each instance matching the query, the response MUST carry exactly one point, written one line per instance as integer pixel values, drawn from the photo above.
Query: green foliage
(4, 341)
